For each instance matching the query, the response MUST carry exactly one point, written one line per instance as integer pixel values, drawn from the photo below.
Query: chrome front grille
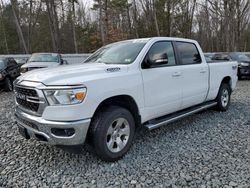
(27, 98)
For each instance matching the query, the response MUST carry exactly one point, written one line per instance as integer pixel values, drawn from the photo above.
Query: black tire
(103, 121)
(8, 85)
(224, 97)
(239, 77)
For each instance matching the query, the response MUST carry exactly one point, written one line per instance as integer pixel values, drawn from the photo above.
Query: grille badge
(21, 96)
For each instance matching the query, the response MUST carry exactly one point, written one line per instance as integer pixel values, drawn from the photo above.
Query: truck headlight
(65, 96)
(244, 64)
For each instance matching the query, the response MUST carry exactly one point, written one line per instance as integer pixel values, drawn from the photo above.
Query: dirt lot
(209, 149)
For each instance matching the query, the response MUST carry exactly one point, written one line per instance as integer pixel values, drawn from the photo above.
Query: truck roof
(166, 38)
(46, 53)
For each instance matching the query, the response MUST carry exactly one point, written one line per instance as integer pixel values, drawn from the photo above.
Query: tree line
(75, 26)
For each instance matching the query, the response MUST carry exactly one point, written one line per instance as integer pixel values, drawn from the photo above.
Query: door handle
(176, 74)
(203, 71)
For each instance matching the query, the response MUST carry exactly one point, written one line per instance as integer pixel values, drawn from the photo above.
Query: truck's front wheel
(112, 133)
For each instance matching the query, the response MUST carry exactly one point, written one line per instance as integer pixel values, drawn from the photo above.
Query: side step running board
(153, 124)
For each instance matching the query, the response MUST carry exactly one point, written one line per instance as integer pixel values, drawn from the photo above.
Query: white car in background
(43, 60)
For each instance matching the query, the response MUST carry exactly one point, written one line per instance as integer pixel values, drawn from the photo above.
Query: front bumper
(244, 71)
(41, 129)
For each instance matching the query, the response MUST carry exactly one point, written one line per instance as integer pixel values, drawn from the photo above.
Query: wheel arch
(227, 80)
(125, 101)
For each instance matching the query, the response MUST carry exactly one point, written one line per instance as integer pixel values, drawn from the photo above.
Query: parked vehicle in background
(243, 63)
(149, 82)
(9, 71)
(21, 61)
(222, 57)
(247, 54)
(43, 60)
(209, 56)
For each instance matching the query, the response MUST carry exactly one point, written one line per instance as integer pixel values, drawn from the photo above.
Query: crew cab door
(162, 80)
(195, 74)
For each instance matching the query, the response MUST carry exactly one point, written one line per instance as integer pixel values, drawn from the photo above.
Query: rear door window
(188, 53)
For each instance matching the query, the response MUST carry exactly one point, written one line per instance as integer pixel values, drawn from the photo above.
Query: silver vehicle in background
(208, 56)
(43, 60)
(246, 53)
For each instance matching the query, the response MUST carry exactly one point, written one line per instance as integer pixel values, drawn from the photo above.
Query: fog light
(63, 132)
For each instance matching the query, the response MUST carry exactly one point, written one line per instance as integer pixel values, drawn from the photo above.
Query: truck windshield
(118, 53)
(44, 58)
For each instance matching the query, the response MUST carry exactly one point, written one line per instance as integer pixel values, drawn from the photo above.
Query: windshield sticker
(128, 60)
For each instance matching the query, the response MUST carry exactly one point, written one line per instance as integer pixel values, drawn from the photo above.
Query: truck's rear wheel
(112, 132)
(224, 97)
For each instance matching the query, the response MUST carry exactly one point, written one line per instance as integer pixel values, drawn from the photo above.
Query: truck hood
(40, 64)
(72, 74)
(244, 62)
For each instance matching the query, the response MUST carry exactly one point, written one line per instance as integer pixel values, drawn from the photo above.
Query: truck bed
(219, 70)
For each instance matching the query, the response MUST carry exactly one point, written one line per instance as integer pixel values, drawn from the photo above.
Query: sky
(87, 2)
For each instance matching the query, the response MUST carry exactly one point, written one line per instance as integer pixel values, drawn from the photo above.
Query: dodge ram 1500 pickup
(120, 88)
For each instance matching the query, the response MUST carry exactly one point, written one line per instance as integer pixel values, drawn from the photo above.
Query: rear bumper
(51, 131)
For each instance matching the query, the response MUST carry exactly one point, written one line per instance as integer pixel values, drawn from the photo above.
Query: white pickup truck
(123, 86)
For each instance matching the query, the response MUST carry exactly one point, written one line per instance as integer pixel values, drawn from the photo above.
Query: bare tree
(53, 25)
(135, 21)
(103, 35)
(155, 18)
(73, 21)
(217, 25)
(18, 27)
(3, 28)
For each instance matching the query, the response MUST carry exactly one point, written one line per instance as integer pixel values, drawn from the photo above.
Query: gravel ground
(208, 149)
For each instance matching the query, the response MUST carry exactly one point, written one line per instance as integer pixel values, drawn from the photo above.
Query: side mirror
(161, 61)
(63, 62)
(148, 63)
